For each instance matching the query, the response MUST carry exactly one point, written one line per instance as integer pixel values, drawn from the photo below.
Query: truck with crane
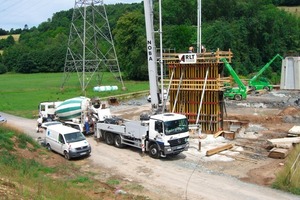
(160, 134)
(260, 83)
(234, 93)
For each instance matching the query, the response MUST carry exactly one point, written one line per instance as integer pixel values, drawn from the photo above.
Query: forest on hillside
(254, 30)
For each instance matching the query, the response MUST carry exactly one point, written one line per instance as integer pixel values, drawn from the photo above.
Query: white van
(67, 141)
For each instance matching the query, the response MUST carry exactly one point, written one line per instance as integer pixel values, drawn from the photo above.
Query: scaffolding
(196, 89)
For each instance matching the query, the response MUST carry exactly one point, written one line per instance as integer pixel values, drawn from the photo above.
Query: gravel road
(180, 177)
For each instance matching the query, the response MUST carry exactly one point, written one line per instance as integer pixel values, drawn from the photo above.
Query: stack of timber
(197, 84)
(282, 146)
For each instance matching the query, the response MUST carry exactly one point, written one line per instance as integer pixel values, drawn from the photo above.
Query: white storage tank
(105, 88)
(290, 73)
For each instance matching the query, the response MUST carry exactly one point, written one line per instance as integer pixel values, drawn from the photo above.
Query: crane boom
(264, 68)
(151, 54)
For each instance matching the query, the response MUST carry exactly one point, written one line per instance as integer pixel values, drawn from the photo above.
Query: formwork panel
(188, 83)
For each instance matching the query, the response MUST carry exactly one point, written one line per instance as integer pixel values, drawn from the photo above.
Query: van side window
(61, 139)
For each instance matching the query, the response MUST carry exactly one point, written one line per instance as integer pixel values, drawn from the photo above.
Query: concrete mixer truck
(80, 112)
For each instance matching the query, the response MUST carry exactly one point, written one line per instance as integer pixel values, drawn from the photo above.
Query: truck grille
(178, 141)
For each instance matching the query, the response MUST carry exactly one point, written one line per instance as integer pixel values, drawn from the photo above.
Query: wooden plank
(278, 153)
(218, 133)
(218, 149)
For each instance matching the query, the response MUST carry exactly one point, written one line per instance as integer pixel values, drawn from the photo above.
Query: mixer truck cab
(67, 141)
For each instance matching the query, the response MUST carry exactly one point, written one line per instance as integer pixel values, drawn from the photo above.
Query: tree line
(253, 30)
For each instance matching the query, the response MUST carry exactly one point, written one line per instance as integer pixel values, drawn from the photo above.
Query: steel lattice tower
(91, 48)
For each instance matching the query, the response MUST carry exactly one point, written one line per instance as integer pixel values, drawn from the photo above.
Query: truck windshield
(74, 137)
(176, 126)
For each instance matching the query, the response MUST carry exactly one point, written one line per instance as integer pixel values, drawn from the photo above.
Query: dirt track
(192, 175)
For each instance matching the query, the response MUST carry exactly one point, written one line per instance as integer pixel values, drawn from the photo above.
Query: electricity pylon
(91, 48)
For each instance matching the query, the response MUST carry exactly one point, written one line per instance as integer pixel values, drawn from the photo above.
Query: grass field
(21, 93)
(293, 10)
(15, 36)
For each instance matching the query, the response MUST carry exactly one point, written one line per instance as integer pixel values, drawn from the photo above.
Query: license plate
(83, 153)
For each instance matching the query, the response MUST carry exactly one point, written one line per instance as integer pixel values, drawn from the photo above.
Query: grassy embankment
(21, 93)
(31, 172)
(289, 178)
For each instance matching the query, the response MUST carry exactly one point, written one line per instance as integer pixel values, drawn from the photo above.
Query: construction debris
(295, 130)
(218, 149)
(278, 153)
(285, 143)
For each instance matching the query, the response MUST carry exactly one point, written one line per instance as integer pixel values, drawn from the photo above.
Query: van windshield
(74, 137)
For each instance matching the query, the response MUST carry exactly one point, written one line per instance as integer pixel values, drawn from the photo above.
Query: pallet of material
(278, 153)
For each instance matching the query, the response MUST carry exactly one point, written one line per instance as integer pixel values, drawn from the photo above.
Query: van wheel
(153, 151)
(48, 147)
(118, 141)
(67, 155)
(109, 138)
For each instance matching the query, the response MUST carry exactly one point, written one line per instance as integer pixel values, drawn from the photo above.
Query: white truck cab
(170, 132)
(67, 141)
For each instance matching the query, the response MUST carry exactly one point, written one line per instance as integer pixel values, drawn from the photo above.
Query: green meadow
(20, 94)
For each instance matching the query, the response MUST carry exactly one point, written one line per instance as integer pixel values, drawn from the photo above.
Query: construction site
(230, 119)
(237, 127)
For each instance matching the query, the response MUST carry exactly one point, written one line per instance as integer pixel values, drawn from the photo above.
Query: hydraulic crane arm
(151, 54)
(264, 68)
(233, 74)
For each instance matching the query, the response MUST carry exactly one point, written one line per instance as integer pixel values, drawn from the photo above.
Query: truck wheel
(238, 97)
(154, 151)
(67, 155)
(118, 141)
(109, 138)
(49, 147)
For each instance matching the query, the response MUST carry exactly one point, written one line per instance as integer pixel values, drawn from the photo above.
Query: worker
(39, 123)
(191, 49)
(87, 125)
(203, 49)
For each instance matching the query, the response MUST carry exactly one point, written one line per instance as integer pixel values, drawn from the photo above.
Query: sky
(16, 13)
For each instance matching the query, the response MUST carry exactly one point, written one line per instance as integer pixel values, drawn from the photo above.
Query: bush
(3, 68)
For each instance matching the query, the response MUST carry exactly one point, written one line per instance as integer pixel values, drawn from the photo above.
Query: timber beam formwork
(196, 89)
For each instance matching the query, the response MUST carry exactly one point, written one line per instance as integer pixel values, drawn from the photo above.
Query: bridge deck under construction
(196, 88)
